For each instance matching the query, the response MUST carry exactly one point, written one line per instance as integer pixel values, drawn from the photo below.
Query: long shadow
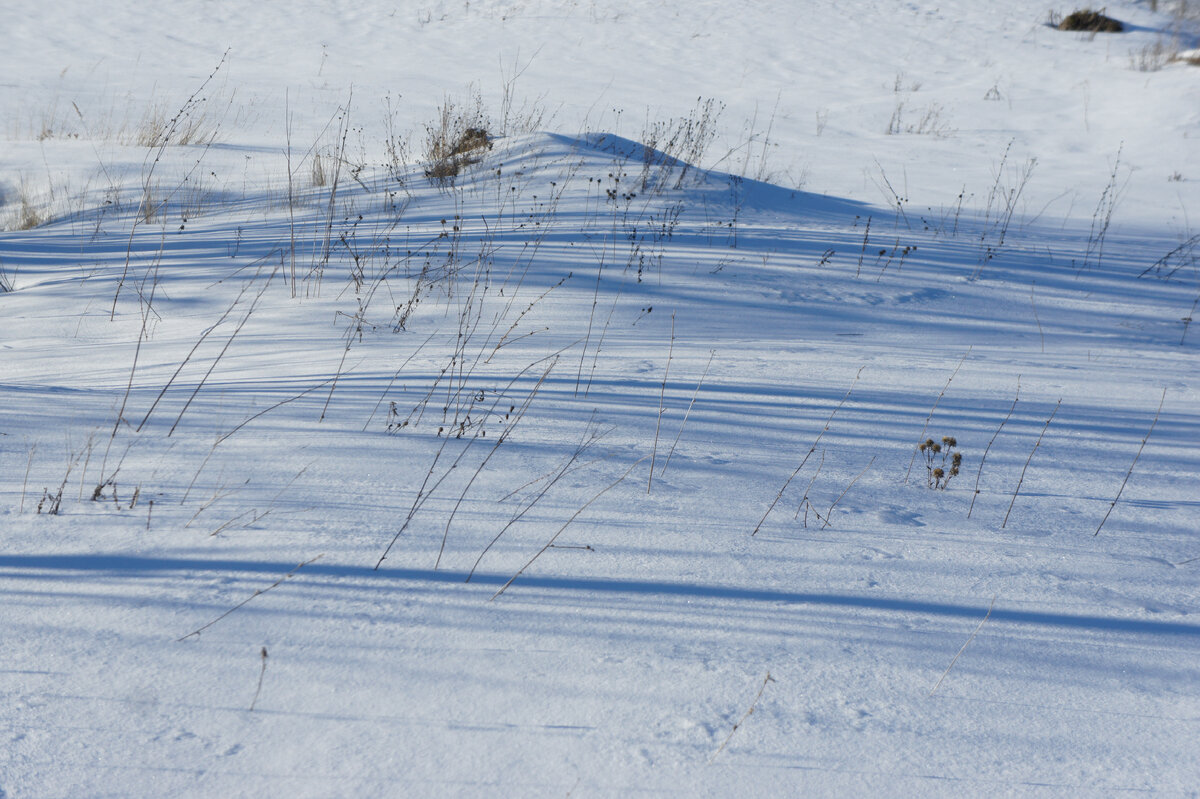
(130, 565)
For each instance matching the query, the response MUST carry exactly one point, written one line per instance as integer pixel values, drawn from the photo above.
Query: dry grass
(117, 120)
(29, 212)
(454, 140)
(1155, 55)
(194, 126)
(1089, 21)
(320, 175)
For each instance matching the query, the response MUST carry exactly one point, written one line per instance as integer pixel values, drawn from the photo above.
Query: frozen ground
(283, 418)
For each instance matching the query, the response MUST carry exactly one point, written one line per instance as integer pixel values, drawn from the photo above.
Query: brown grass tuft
(1089, 21)
(455, 139)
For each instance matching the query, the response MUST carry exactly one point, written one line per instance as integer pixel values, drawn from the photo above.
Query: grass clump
(28, 215)
(28, 212)
(674, 147)
(1089, 21)
(455, 140)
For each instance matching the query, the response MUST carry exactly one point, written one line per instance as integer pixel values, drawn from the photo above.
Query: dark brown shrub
(1090, 21)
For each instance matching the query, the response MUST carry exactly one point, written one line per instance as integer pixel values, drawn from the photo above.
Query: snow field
(332, 418)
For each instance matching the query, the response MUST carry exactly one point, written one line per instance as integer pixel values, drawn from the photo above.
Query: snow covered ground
(324, 478)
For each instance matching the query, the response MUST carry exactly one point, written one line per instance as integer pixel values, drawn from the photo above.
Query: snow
(354, 490)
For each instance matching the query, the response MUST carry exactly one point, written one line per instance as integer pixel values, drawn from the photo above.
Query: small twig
(271, 408)
(1102, 216)
(394, 377)
(242, 515)
(585, 442)
(86, 460)
(184, 362)
(987, 449)
(811, 450)
(661, 394)
(261, 672)
(1187, 320)
(216, 497)
(591, 318)
(687, 412)
(862, 254)
(745, 716)
(504, 434)
(245, 601)
(552, 473)
(829, 513)
(931, 411)
(221, 354)
(1183, 255)
(896, 197)
(422, 494)
(804, 503)
(25, 484)
(575, 515)
(142, 334)
(1036, 444)
(1113, 504)
(964, 646)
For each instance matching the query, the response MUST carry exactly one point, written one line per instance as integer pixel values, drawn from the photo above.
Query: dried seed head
(939, 474)
(950, 441)
(923, 446)
(937, 447)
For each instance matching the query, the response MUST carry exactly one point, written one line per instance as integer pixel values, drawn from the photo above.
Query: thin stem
(964, 646)
(988, 449)
(745, 716)
(687, 413)
(1027, 460)
(245, 601)
(554, 537)
(1113, 504)
(661, 394)
(807, 455)
(829, 513)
